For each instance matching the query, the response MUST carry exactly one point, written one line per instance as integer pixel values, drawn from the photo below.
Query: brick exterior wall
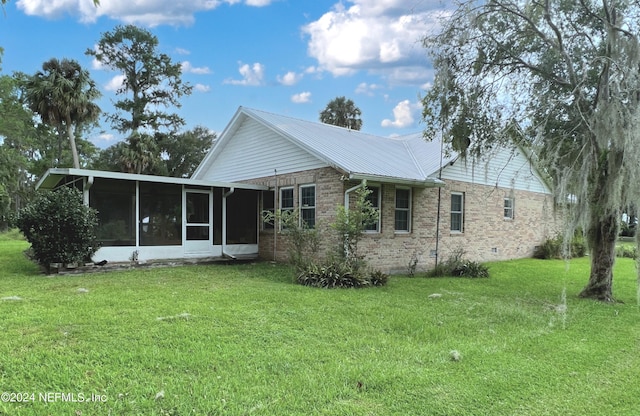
(486, 236)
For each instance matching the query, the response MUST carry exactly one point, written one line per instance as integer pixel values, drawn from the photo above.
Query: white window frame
(303, 207)
(407, 210)
(461, 213)
(378, 208)
(293, 201)
(509, 211)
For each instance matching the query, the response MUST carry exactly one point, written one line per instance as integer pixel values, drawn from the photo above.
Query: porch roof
(54, 176)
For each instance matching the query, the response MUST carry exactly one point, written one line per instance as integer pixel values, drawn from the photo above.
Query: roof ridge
(413, 157)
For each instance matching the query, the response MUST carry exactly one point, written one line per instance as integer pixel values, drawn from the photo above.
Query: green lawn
(243, 340)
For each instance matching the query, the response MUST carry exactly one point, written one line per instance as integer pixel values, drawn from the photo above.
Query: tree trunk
(74, 149)
(602, 236)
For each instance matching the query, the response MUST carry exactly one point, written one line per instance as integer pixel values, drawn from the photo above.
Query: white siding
(504, 168)
(254, 152)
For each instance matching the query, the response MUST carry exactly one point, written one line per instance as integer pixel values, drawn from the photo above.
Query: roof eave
(53, 176)
(423, 183)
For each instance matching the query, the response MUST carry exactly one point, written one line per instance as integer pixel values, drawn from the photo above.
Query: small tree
(303, 242)
(351, 222)
(60, 228)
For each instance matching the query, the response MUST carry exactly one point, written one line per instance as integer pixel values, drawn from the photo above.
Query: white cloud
(258, 3)
(367, 89)
(104, 139)
(202, 88)
(116, 83)
(372, 34)
(183, 51)
(251, 75)
(403, 115)
(144, 12)
(290, 78)
(302, 98)
(188, 68)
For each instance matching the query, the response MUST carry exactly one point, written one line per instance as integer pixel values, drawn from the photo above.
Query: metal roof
(53, 176)
(410, 159)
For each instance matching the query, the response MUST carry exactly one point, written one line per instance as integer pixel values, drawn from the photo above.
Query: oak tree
(561, 76)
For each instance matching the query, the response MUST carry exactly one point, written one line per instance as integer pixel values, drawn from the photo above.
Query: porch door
(198, 222)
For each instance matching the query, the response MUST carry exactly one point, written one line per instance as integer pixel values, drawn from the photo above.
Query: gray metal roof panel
(408, 157)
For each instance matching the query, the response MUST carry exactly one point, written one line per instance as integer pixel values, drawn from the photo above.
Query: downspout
(275, 204)
(348, 191)
(224, 223)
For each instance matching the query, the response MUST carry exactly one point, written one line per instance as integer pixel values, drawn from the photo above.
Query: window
(286, 202)
(403, 210)
(457, 212)
(508, 208)
(374, 199)
(308, 205)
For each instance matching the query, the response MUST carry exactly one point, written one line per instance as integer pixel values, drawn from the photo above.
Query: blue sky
(289, 57)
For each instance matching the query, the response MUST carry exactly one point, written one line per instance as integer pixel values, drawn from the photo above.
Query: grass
(243, 340)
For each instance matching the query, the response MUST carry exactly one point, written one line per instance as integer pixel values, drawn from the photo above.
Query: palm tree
(342, 112)
(62, 95)
(140, 153)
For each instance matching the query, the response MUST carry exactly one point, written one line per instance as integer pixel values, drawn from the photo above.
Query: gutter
(348, 191)
(427, 182)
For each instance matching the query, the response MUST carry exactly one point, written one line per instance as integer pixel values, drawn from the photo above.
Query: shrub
(627, 251)
(60, 228)
(339, 275)
(471, 269)
(446, 267)
(457, 266)
(552, 248)
(303, 242)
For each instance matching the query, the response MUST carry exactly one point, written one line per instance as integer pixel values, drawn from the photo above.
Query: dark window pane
(286, 198)
(242, 217)
(115, 202)
(402, 198)
(160, 214)
(402, 220)
(308, 196)
(197, 208)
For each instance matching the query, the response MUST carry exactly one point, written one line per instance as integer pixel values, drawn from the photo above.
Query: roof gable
(357, 154)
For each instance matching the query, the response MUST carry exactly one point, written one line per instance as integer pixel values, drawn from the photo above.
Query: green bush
(627, 251)
(552, 248)
(339, 275)
(60, 228)
(471, 269)
(457, 266)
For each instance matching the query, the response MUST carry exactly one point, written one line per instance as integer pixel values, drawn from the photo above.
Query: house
(431, 202)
